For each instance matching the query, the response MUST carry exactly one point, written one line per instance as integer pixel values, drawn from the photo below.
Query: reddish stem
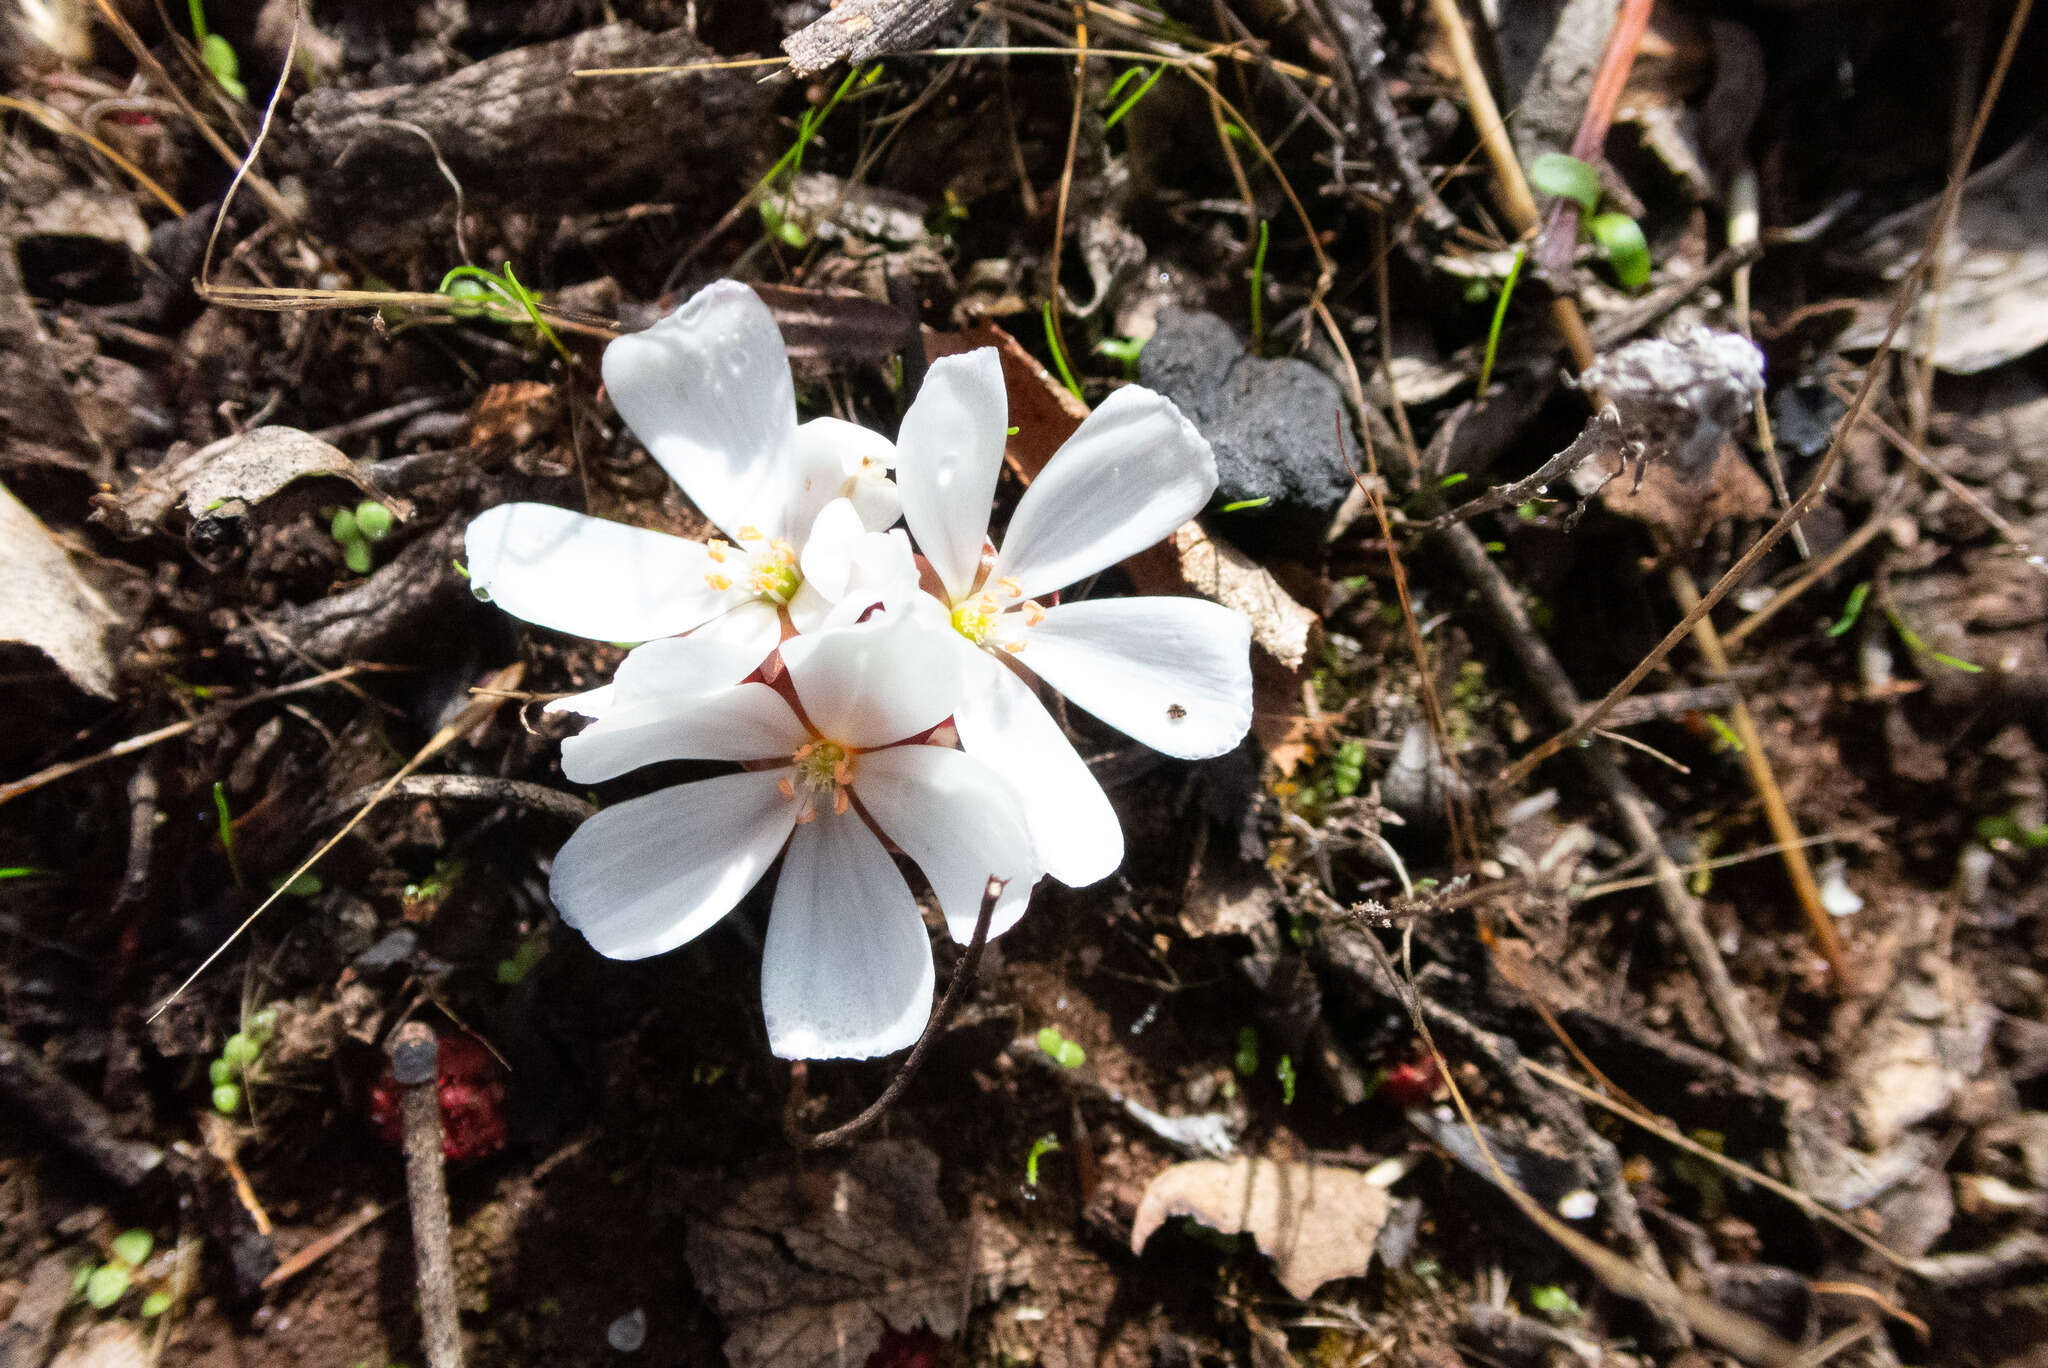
(1561, 222)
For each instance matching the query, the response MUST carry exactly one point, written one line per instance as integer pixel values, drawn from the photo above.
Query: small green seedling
(230, 1071)
(1130, 102)
(1059, 354)
(1246, 1060)
(1347, 767)
(1124, 351)
(226, 822)
(1284, 1072)
(104, 1285)
(500, 297)
(1063, 1051)
(1259, 291)
(1042, 1146)
(1500, 314)
(530, 952)
(1619, 237)
(1241, 505)
(218, 55)
(354, 529)
(1554, 1303)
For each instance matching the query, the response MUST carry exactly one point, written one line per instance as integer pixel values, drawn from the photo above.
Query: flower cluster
(878, 698)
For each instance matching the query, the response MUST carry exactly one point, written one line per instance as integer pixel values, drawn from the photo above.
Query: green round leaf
(155, 1304)
(355, 554)
(227, 1099)
(219, 1072)
(240, 1051)
(1566, 178)
(1622, 242)
(343, 528)
(132, 1247)
(373, 520)
(262, 1023)
(107, 1285)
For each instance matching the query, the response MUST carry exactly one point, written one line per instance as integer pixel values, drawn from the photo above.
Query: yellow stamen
(1010, 587)
(840, 802)
(1033, 613)
(750, 533)
(717, 549)
(786, 789)
(719, 582)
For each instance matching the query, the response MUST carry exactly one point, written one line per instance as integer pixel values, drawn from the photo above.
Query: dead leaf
(109, 1344)
(1315, 1222)
(225, 479)
(807, 1269)
(1216, 570)
(258, 464)
(44, 603)
(1991, 297)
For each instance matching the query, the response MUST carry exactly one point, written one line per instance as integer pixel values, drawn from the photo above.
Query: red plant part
(471, 1086)
(1413, 1084)
(918, 1348)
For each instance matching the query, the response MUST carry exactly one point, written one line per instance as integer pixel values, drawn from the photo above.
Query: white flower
(846, 970)
(708, 390)
(1175, 673)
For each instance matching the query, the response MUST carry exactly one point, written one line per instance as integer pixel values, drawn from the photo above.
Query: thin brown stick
(1519, 772)
(473, 714)
(964, 975)
(1671, 1135)
(1976, 502)
(415, 1064)
(1819, 921)
(52, 773)
(1059, 213)
(1817, 571)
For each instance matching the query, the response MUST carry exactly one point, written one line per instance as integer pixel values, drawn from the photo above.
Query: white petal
(879, 500)
(1130, 474)
(707, 390)
(834, 536)
(949, 452)
(1176, 673)
(586, 576)
(652, 873)
(877, 683)
(831, 456)
(655, 679)
(846, 972)
(962, 825)
(1073, 827)
(746, 722)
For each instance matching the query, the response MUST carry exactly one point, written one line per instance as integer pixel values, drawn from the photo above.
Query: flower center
(986, 620)
(821, 767)
(763, 569)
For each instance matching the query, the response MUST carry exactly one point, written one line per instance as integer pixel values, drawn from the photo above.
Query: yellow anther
(1014, 647)
(783, 551)
(717, 549)
(1034, 613)
(719, 582)
(840, 802)
(805, 815)
(1010, 587)
(786, 789)
(842, 773)
(749, 533)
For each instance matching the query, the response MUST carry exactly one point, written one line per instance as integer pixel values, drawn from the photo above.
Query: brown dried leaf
(1314, 1221)
(228, 477)
(806, 1269)
(44, 603)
